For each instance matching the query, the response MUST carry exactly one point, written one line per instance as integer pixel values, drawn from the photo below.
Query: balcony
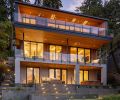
(60, 58)
(61, 25)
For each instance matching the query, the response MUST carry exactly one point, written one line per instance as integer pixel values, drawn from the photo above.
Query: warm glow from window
(32, 49)
(81, 55)
(85, 75)
(85, 22)
(55, 52)
(73, 54)
(81, 76)
(87, 55)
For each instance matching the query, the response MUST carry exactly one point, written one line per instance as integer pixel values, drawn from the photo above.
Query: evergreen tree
(55, 4)
(91, 7)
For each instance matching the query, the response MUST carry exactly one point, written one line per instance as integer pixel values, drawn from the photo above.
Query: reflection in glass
(52, 52)
(40, 50)
(27, 49)
(58, 52)
(87, 55)
(33, 50)
(51, 73)
(36, 75)
(81, 76)
(85, 75)
(58, 74)
(73, 54)
(29, 75)
(55, 52)
(64, 75)
(80, 55)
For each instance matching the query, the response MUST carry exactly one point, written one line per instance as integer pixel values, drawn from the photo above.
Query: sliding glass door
(59, 74)
(55, 52)
(84, 75)
(33, 50)
(33, 75)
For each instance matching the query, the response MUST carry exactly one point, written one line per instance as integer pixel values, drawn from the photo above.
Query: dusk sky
(69, 5)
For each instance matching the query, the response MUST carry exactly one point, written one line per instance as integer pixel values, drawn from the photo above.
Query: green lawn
(112, 97)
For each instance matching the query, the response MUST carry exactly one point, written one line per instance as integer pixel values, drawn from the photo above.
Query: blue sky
(69, 5)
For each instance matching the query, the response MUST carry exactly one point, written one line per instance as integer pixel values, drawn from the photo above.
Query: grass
(112, 97)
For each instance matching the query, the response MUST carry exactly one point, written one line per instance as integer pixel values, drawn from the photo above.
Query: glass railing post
(98, 32)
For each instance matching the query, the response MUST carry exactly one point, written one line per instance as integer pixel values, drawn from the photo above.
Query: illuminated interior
(73, 54)
(32, 49)
(33, 75)
(55, 52)
(84, 75)
(57, 74)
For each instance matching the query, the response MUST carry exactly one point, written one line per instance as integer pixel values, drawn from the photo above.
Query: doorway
(59, 74)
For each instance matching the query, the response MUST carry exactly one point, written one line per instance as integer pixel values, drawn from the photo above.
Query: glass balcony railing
(57, 24)
(58, 57)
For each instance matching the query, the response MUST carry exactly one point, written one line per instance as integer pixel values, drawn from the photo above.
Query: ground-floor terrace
(28, 72)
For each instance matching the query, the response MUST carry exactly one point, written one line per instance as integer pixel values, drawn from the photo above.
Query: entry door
(33, 75)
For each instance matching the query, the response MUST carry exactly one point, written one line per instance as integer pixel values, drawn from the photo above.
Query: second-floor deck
(62, 25)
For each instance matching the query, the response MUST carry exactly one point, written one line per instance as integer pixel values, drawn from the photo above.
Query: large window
(84, 75)
(80, 54)
(29, 20)
(33, 75)
(33, 50)
(87, 55)
(59, 74)
(73, 54)
(55, 52)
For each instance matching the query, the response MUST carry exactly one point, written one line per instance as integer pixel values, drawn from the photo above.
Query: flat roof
(59, 10)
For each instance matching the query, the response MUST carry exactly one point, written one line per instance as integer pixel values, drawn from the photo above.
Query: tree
(55, 4)
(112, 11)
(91, 7)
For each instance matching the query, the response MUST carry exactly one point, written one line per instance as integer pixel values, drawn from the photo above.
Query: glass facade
(58, 74)
(33, 75)
(84, 75)
(33, 50)
(56, 53)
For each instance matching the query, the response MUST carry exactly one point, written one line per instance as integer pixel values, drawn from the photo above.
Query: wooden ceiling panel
(59, 15)
(58, 38)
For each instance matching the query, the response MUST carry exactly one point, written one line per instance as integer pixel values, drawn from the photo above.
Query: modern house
(56, 45)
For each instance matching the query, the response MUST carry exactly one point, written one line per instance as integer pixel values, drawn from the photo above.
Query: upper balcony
(60, 20)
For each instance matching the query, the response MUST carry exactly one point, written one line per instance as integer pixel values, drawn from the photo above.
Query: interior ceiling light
(73, 20)
(39, 14)
(85, 22)
(53, 16)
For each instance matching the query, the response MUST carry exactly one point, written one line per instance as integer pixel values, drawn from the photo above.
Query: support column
(17, 71)
(104, 75)
(77, 70)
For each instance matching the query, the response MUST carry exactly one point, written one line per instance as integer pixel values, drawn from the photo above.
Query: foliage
(110, 9)
(5, 38)
(112, 97)
(91, 7)
(55, 4)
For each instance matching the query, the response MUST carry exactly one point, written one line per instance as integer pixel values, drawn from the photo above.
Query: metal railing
(57, 57)
(58, 24)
